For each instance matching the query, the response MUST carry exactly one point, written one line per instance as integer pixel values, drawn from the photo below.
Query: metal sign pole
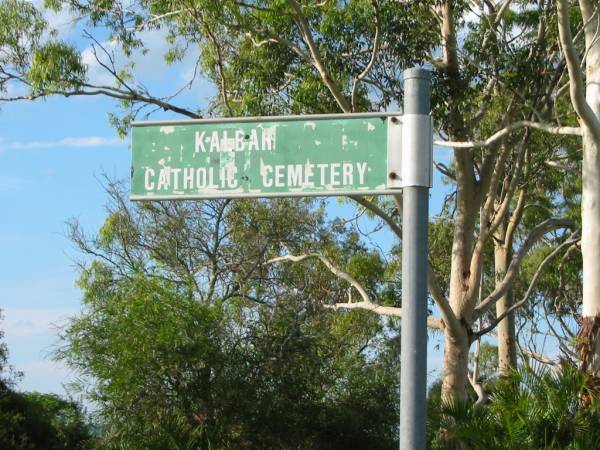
(416, 181)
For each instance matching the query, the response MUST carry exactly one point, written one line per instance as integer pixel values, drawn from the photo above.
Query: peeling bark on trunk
(587, 345)
(507, 349)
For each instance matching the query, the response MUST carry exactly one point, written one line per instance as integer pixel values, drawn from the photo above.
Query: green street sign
(341, 154)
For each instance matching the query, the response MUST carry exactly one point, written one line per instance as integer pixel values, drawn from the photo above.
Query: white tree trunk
(590, 205)
(587, 108)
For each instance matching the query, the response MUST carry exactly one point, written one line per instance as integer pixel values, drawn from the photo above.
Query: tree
(189, 340)
(494, 91)
(587, 107)
(33, 420)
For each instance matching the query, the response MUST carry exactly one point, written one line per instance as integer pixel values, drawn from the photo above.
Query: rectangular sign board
(323, 155)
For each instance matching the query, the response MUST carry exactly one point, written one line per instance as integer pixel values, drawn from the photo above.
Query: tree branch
(536, 234)
(571, 131)
(219, 55)
(316, 57)
(482, 396)
(371, 62)
(433, 286)
(366, 303)
(375, 209)
(576, 85)
(574, 238)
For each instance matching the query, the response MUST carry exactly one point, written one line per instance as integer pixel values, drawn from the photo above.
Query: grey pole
(416, 181)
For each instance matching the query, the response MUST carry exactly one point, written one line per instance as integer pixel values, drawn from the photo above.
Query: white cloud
(27, 322)
(68, 142)
(62, 21)
(96, 73)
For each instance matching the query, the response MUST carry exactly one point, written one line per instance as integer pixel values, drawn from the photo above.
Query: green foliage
(212, 254)
(22, 28)
(30, 421)
(174, 371)
(55, 66)
(487, 362)
(535, 408)
(34, 421)
(191, 341)
(32, 56)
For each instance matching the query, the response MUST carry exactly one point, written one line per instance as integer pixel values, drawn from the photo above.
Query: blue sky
(53, 155)
(51, 160)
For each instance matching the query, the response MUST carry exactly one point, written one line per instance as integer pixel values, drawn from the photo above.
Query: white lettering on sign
(188, 178)
(362, 168)
(304, 176)
(257, 139)
(148, 184)
(293, 176)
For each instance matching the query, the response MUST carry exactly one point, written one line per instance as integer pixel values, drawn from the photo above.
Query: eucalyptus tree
(496, 72)
(583, 64)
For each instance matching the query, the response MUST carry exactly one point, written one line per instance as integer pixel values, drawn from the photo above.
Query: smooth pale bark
(456, 348)
(588, 109)
(456, 364)
(590, 214)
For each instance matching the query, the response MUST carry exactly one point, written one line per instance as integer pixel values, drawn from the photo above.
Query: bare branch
(219, 55)
(109, 92)
(153, 19)
(448, 315)
(482, 396)
(571, 131)
(375, 209)
(433, 286)
(327, 262)
(316, 57)
(508, 195)
(390, 311)
(515, 219)
(274, 38)
(536, 234)
(444, 170)
(366, 303)
(575, 237)
(539, 358)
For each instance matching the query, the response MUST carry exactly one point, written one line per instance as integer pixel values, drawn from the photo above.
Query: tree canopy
(508, 102)
(189, 339)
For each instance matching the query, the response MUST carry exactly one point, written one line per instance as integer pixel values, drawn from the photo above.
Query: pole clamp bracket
(417, 150)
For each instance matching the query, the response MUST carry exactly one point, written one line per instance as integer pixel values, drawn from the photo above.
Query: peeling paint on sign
(319, 156)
